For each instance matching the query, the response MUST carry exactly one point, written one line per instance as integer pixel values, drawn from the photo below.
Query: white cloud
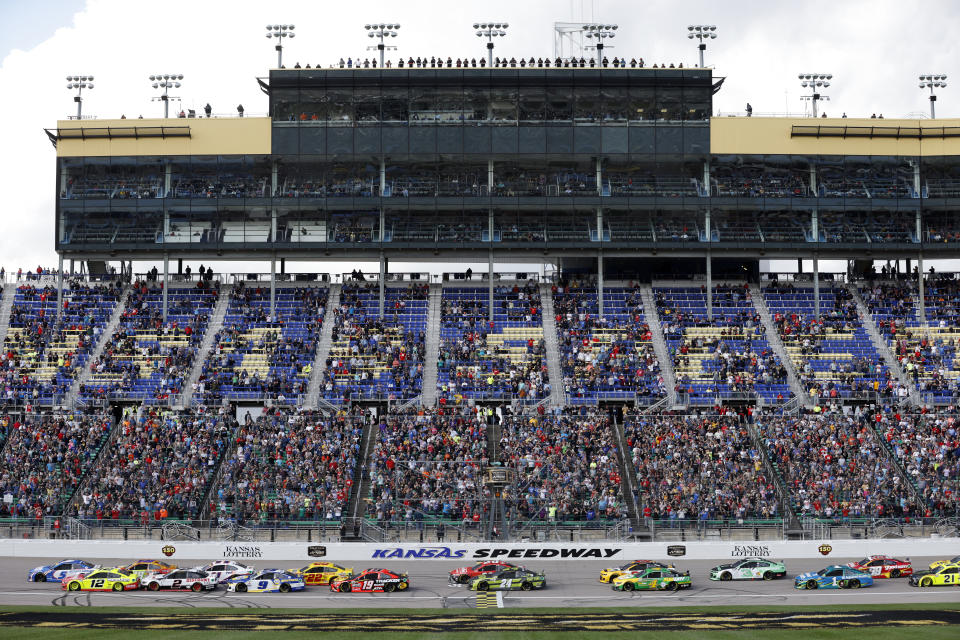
(874, 48)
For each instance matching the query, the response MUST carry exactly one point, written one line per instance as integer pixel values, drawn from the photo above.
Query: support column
(383, 175)
(815, 224)
(706, 178)
(923, 302)
(919, 226)
(166, 283)
(60, 287)
(490, 177)
(273, 179)
(383, 278)
(71, 267)
(600, 281)
(813, 181)
(709, 286)
(273, 288)
(490, 282)
(599, 176)
(816, 286)
(167, 179)
(916, 178)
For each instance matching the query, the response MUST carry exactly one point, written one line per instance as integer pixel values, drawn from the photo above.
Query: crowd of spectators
(927, 446)
(567, 466)
(289, 465)
(48, 342)
(833, 354)
(256, 355)
(693, 468)
(147, 358)
(482, 359)
(373, 356)
(429, 463)
(45, 459)
(605, 357)
(835, 466)
(435, 62)
(160, 466)
(727, 353)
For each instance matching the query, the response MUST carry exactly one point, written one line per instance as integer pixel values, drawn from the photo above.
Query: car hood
(925, 572)
(725, 566)
(808, 575)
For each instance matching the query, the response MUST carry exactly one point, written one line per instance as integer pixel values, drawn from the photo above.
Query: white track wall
(384, 553)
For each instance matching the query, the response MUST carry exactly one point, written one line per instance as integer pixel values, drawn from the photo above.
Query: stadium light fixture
(932, 82)
(600, 32)
(815, 82)
(490, 30)
(702, 32)
(166, 81)
(280, 31)
(383, 31)
(79, 83)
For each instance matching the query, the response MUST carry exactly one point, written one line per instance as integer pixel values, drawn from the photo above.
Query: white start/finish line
(356, 552)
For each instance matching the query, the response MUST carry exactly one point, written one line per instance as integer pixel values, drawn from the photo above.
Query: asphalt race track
(569, 584)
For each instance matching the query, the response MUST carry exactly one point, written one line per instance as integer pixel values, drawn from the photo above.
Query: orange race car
(141, 568)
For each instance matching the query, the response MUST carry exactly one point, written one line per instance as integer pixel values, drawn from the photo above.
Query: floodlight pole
(490, 30)
(79, 83)
(381, 31)
(702, 32)
(933, 81)
(280, 31)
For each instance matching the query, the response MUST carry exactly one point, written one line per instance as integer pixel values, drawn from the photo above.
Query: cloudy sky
(874, 48)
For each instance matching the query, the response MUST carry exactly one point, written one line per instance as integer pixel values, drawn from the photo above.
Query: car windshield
(863, 562)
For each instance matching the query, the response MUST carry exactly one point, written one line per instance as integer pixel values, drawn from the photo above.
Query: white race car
(221, 571)
(182, 579)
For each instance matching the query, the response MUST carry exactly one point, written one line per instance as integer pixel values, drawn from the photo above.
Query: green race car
(749, 569)
(662, 579)
(509, 579)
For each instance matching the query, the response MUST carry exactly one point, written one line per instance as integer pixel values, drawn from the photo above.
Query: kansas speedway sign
(494, 553)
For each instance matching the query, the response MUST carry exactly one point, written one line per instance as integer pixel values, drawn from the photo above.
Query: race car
(56, 572)
(661, 579)
(266, 581)
(508, 580)
(463, 575)
(940, 563)
(833, 577)
(749, 569)
(318, 573)
(192, 579)
(371, 581)
(104, 580)
(883, 567)
(946, 575)
(223, 571)
(142, 567)
(610, 573)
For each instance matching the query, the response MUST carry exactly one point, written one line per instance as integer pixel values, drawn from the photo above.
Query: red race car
(464, 575)
(371, 581)
(883, 567)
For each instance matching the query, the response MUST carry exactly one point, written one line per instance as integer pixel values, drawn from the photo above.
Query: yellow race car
(104, 580)
(946, 575)
(317, 573)
(141, 568)
(939, 563)
(611, 573)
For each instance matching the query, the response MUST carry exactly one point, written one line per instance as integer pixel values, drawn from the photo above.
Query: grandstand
(647, 376)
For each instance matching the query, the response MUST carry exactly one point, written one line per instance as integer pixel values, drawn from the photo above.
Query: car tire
(526, 586)
(811, 584)
(241, 588)
(853, 584)
(154, 586)
(403, 586)
(726, 575)
(345, 588)
(117, 586)
(196, 587)
(284, 588)
(613, 577)
(768, 575)
(670, 586)
(389, 588)
(895, 573)
(483, 586)
(463, 579)
(628, 586)
(74, 586)
(926, 582)
(40, 578)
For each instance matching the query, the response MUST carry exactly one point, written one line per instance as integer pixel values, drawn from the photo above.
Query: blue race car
(833, 577)
(55, 572)
(266, 581)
